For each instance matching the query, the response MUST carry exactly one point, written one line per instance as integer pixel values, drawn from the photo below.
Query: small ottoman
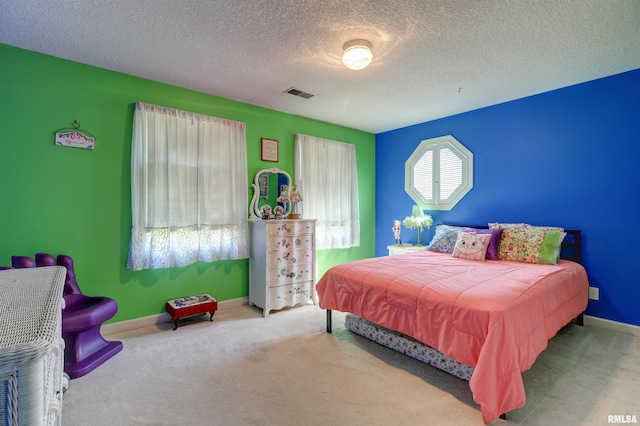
(189, 306)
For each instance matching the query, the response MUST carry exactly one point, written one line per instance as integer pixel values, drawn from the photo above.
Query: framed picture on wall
(269, 150)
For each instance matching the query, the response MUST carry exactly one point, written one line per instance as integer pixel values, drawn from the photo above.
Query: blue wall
(569, 157)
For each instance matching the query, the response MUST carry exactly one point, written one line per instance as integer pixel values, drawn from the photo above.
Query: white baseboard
(152, 320)
(606, 324)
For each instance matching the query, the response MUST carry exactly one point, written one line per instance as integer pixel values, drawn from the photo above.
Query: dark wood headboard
(571, 245)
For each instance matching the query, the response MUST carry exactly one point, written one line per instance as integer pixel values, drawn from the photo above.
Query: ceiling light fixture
(357, 54)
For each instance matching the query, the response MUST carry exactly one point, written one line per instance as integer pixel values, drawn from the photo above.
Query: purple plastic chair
(85, 348)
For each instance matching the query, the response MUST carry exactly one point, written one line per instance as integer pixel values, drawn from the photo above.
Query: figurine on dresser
(278, 212)
(296, 199)
(396, 231)
(266, 212)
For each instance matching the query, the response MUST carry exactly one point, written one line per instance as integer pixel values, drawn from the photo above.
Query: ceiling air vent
(298, 93)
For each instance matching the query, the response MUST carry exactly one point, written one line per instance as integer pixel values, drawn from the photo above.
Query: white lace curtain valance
(189, 188)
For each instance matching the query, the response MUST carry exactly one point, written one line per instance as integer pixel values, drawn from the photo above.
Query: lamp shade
(417, 211)
(357, 54)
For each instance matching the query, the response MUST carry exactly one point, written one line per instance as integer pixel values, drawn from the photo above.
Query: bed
(494, 316)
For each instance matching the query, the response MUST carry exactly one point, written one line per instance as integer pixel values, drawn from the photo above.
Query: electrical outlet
(594, 293)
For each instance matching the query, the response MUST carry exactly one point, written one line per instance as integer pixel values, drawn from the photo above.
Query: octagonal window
(439, 173)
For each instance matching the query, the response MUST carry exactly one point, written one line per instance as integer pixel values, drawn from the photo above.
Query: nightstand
(404, 248)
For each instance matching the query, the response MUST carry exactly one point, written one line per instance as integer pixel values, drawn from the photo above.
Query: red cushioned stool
(192, 305)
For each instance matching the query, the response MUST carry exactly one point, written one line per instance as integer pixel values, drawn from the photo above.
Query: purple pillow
(492, 251)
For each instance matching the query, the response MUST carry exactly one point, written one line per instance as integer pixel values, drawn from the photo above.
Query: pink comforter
(495, 316)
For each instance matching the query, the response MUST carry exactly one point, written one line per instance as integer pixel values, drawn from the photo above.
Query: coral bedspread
(495, 316)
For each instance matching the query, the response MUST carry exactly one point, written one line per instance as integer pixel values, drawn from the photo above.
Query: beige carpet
(243, 369)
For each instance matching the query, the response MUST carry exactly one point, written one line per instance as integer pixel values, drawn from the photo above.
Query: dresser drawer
(290, 295)
(289, 258)
(283, 244)
(290, 274)
(282, 228)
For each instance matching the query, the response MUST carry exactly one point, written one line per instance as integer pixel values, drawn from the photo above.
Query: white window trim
(436, 145)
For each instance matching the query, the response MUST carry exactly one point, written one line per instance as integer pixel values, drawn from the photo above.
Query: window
(327, 177)
(189, 188)
(439, 173)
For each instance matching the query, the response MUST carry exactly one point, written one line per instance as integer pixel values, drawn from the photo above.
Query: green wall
(75, 201)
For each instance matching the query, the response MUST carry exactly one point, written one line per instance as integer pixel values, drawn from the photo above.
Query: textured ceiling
(432, 59)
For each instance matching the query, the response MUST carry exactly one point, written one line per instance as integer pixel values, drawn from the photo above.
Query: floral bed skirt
(407, 345)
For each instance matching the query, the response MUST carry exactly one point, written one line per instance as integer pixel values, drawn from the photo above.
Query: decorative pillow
(444, 239)
(550, 250)
(472, 246)
(526, 243)
(492, 250)
(497, 225)
(511, 240)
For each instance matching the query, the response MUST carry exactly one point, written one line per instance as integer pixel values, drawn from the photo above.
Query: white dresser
(282, 267)
(32, 376)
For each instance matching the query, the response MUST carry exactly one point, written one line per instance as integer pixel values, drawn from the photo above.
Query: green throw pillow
(550, 249)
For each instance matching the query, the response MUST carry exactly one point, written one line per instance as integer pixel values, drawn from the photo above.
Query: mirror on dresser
(271, 192)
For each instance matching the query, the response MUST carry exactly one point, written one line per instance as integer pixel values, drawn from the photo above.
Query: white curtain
(189, 188)
(327, 176)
